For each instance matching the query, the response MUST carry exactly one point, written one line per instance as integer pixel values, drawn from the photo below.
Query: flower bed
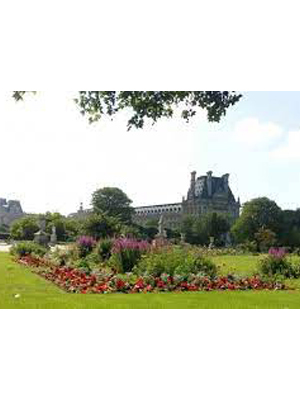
(75, 281)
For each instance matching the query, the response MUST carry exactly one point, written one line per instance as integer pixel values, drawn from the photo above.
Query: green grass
(242, 265)
(35, 292)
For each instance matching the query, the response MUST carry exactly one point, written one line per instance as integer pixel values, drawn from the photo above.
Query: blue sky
(54, 159)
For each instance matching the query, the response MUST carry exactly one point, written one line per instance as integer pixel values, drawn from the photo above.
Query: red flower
(120, 284)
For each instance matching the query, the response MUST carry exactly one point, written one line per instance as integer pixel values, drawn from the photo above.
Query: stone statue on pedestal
(53, 238)
(162, 234)
(211, 243)
(41, 237)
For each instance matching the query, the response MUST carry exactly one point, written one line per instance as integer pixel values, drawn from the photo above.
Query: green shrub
(24, 228)
(84, 265)
(104, 249)
(23, 249)
(175, 261)
(126, 253)
(272, 265)
(124, 261)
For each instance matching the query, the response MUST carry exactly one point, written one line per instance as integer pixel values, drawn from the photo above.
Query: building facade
(205, 194)
(10, 211)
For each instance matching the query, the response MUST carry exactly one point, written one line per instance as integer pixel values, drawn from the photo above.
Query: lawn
(240, 264)
(34, 292)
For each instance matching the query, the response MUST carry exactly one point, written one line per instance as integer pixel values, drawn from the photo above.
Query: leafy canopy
(112, 202)
(151, 105)
(199, 230)
(101, 226)
(260, 213)
(24, 228)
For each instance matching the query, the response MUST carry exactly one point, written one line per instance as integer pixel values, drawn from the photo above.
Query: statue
(41, 237)
(162, 233)
(211, 243)
(228, 242)
(182, 237)
(161, 226)
(53, 238)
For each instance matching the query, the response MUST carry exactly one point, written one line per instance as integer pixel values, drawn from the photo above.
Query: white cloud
(256, 135)
(291, 148)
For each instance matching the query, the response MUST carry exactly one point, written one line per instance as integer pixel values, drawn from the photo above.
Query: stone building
(81, 214)
(206, 194)
(10, 211)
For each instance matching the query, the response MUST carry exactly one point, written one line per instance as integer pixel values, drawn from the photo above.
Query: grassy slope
(38, 293)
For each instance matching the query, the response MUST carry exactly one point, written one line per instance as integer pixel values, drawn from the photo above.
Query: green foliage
(289, 235)
(124, 261)
(23, 249)
(172, 233)
(57, 220)
(126, 253)
(265, 239)
(199, 230)
(112, 202)
(153, 105)
(260, 213)
(131, 231)
(149, 231)
(272, 266)
(88, 264)
(189, 231)
(24, 228)
(175, 261)
(104, 249)
(248, 247)
(73, 227)
(67, 229)
(101, 226)
(4, 228)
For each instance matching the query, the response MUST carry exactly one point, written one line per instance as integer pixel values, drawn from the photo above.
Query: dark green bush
(23, 249)
(104, 249)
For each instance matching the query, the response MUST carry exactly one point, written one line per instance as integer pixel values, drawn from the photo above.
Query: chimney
(193, 183)
(226, 182)
(209, 183)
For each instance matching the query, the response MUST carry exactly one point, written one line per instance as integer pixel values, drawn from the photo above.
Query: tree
(4, 228)
(101, 226)
(151, 106)
(265, 238)
(188, 230)
(198, 230)
(215, 225)
(58, 221)
(112, 202)
(73, 228)
(257, 214)
(289, 234)
(24, 228)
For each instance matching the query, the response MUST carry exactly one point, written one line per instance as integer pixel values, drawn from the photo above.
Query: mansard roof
(218, 187)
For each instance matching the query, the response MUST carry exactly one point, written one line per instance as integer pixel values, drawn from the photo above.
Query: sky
(52, 158)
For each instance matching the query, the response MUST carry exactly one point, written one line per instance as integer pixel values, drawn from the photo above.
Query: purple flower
(130, 244)
(277, 253)
(86, 241)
